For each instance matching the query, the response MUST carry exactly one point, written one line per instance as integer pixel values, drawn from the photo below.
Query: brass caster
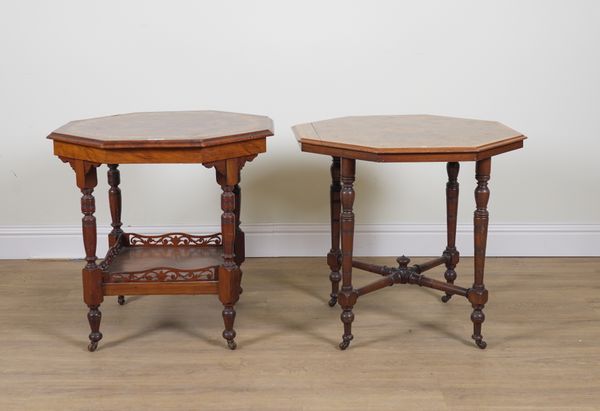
(121, 300)
(92, 346)
(446, 298)
(231, 344)
(344, 344)
(332, 302)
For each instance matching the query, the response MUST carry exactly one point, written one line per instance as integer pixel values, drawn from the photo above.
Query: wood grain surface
(164, 129)
(411, 352)
(407, 134)
(181, 257)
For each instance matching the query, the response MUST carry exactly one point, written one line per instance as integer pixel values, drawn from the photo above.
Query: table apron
(160, 155)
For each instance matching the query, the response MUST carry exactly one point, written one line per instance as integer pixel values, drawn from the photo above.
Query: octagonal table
(172, 263)
(406, 138)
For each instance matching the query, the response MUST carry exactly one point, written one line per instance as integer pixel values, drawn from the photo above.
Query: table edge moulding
(311, 140)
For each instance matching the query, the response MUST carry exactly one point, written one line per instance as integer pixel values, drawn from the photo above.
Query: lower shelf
(131, 259)
(162, 288)
(165, 267)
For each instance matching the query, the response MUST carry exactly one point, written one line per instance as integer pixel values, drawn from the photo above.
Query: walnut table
(410, 138)
(174, 263)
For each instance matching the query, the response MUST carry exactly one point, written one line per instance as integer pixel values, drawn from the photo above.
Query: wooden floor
(410, 351)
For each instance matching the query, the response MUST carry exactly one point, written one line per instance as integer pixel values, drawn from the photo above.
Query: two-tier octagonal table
(406, 138)
(172, 263)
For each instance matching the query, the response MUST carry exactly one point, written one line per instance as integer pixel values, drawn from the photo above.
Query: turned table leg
(229, 271)
(451, 253)
(347, 295)
(334, 255)
(114, 200)
(478, 295)
(87, 179)
(240, 240)
(240, 249)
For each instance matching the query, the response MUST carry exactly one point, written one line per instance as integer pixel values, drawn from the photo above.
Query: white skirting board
(280, 240)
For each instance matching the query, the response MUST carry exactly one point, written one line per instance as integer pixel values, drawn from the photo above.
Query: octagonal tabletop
(408, 138)
(164, 129)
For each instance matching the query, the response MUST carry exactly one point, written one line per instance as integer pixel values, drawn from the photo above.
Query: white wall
(533, 65)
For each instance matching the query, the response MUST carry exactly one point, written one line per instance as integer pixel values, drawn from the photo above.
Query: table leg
(478, 295)
(451, 253)
(347, 296)
(229, 272)
(240, 237)
(87, 179)
(114, 200)
(240, 249)
(333, 257)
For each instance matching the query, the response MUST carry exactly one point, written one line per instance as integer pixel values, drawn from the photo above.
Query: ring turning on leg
(115, 203)
(229, 332)
(478, 317)
(347, 317)
(94, 317)
(478, 295)
(335, 278)
(91, 273)
(451, 253)
(229, 272)
(334, 255)
(240, 242)
(347, 295)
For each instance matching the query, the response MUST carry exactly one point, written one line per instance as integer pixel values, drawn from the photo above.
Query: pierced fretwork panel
(175, 240)
(162, 274)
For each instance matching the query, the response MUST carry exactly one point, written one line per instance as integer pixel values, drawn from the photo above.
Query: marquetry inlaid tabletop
(164, 129)
(389, 137)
